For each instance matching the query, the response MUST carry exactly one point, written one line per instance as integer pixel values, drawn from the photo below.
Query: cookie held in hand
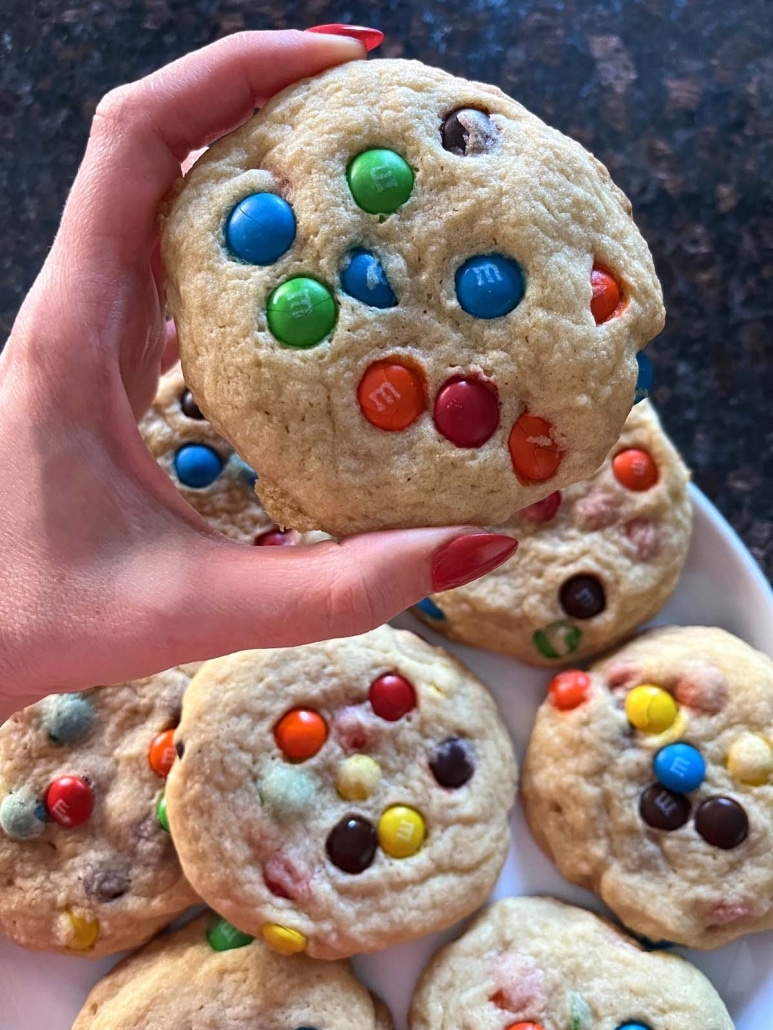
(407, 301)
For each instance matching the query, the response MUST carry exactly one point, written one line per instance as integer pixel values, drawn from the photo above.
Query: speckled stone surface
(675, 96)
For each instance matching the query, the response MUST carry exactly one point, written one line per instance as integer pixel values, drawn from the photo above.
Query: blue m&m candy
(245, 472)
(644, 379)
(197, 465)
(364, 279)
(429, 607)
(633, 1026)
(489, 285)
(260, 228)
(679, 767)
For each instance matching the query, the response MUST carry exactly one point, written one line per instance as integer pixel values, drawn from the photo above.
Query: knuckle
(115, 111)
(354, 603)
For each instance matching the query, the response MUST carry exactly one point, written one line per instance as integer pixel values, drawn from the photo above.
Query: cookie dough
(208, 975)
(596, 559)
(649, 780)
(341, 797)
(407, 300)
(539, 964)
(86, 867)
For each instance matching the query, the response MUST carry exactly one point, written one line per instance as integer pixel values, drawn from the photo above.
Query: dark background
(675, 96)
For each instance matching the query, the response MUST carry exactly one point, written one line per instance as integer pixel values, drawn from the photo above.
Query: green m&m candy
(222, 936)
(380, 181)
(557, 640)
(301, 312)
(163, 818)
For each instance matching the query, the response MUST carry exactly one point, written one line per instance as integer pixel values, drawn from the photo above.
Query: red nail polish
(370, 38)
(468, 557)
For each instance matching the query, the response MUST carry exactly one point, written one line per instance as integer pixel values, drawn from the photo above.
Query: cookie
(206, 470)
(407, 301)
(649, 780)
(539, 964)
(596, 559)
(86, 866)
(209, 975)
(318, 784)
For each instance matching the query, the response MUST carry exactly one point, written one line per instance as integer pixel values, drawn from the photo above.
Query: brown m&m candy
(190, 408)
(452, 764)
(351, 844)
(469, 132)
(662, 809)
(722, 822)
(583, 597)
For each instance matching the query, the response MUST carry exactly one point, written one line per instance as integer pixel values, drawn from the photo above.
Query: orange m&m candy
(534, 453)
(635, 469)
(524, 1026)
(162, 753)
(569, 689)
(606, 295)
(300, 734)
(391, 395)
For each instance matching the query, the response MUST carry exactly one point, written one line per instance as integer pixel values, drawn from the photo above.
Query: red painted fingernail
(468, 557)
(370, 38)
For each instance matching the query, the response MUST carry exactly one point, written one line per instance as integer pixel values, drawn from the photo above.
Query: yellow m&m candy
(283, 939)
(358, 777)
(401, 831)
(84, 932)
(750, 759)
(650, 709)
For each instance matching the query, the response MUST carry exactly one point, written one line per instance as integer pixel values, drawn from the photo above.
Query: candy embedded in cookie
(209, 970)
(595, 558)
(535, 963)
(667, 757)
(396, 289)
(85, 865)
(329, 776)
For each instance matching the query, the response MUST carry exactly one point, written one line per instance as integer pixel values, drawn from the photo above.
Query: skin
(106, 574)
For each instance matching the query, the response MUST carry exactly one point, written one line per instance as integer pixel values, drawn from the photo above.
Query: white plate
(721, 586)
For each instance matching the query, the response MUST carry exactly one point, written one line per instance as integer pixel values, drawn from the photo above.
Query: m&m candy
(533, 452)
(260, 229)
(569, 689)
(391, 395)
(222, 936)
(401, 831)
(69, 801)
(606, 295)
(162, 754)
(197, 465)
(364, 279)
(650, 709)
(635, 470)
(391, 696)
(722, 822)
(283, 939)
(301, 312)
(380, 181)
(351, 844)
(466, 412)
(300, 734)
(679, 767)
(750, 759)
(489, 285)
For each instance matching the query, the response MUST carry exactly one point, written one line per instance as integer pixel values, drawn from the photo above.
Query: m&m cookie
(407, 301)
(210, 975)
(595, 559)
(649, 780)
(341, 797)
(206, 470)
(539, 964)
(86, 865)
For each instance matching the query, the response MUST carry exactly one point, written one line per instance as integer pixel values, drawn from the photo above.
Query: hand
(106, 574)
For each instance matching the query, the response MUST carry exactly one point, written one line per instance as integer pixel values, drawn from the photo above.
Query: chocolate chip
(452, 764)
(105, 884)
(583, 597)
(722, 822)
(469, 133)
(179, 748)
(663, 809)
(189, 406)
(351, 844)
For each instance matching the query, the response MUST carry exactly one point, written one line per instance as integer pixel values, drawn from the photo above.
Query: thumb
(231, 597)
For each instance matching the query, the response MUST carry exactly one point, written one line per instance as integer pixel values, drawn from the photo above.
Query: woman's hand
(106, 574)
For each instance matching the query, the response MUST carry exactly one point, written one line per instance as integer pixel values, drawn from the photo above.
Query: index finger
(143, 131)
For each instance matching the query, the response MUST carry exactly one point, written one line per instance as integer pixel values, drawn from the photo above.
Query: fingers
(142, 132)
(228, 597)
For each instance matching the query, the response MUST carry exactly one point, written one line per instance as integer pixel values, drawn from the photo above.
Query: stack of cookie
(429, 313)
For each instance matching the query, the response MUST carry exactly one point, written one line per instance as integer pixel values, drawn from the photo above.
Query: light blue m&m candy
(679, 767)
(197, 465)
(489, 285)
(364, 279)
(633, 1026)
(260, 228)
(644, 379)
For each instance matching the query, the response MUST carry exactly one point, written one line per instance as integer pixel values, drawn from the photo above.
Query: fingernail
(370, 38)
(468, 557)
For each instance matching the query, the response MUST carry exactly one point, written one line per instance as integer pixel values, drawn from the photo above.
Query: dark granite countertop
(675, 96)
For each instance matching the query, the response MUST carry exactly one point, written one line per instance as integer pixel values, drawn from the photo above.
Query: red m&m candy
(69, 801)
(569, 689)
(467, 411)
(300, 734)
(392, 696)
(162, 753)
(275, 538)
(544, 510)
